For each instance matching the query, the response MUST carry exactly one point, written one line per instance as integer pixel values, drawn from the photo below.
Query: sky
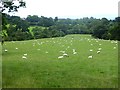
(73, 9)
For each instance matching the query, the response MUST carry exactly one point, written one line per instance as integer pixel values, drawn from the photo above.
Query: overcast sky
(70, 8)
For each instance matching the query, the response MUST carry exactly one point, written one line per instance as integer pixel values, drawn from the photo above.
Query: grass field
(41, 67)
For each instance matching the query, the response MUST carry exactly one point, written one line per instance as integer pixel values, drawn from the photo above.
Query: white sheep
(46, 52)
(91, 44)
(74, 52)
(91, 50)
(90, 57)
(98, 52)
(60, 57)
(6, 50)
(25, 54)
(99, 49)
(24, 57)
(62, 51)
(114, 47)
(65, 54)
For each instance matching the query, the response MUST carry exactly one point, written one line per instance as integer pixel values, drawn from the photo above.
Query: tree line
(35, 27)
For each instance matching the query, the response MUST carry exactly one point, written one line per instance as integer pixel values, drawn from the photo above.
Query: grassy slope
(42, 69)
(0, 66)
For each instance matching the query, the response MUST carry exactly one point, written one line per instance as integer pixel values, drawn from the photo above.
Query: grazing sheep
(62, 51)
(99, 49)
(90, 57)
(114, 47)
(6, 50)
(98, 52)
(16, 48)
(46, 52)
(25, 54)
(91, 50)
(74, 52)
(65, 54)
(24, 57)
(60, 57)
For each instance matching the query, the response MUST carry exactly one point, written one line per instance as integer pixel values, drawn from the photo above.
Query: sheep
(24, 57)
(74, 52)
(90, 57)
(62, 51)
(65, 54)
(98, 52)
(60, 57)
(6, 50)
(91, 50)
(91, 44)
(25, 54)
(114, 47)
(46, 52)
(99, 49)
(16, 48)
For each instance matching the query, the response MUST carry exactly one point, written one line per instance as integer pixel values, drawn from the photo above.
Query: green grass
(45, 70)
(0, 66)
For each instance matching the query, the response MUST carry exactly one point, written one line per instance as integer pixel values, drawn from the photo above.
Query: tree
(115, 29)
(11, 7)
(101, 29)
(33, 20)
(56, 19)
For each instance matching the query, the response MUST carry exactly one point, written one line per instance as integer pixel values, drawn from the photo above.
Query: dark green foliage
(10, 6)
(40, 21)
(108, 29)
(48, 27)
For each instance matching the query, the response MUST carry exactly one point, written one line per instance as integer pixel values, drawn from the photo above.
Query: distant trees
(114, 29)
(108, 29)
(40, 21)
(35, 27)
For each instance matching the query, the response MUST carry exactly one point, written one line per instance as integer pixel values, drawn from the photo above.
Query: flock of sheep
(63, 53)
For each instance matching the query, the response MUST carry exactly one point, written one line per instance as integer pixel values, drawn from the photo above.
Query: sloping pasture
(36, 63)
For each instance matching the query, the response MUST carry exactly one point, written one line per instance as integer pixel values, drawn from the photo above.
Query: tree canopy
(35, 27)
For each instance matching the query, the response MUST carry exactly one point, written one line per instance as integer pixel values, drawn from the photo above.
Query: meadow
(73, 61)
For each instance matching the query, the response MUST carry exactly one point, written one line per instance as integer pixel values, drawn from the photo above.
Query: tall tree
(8, 5)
